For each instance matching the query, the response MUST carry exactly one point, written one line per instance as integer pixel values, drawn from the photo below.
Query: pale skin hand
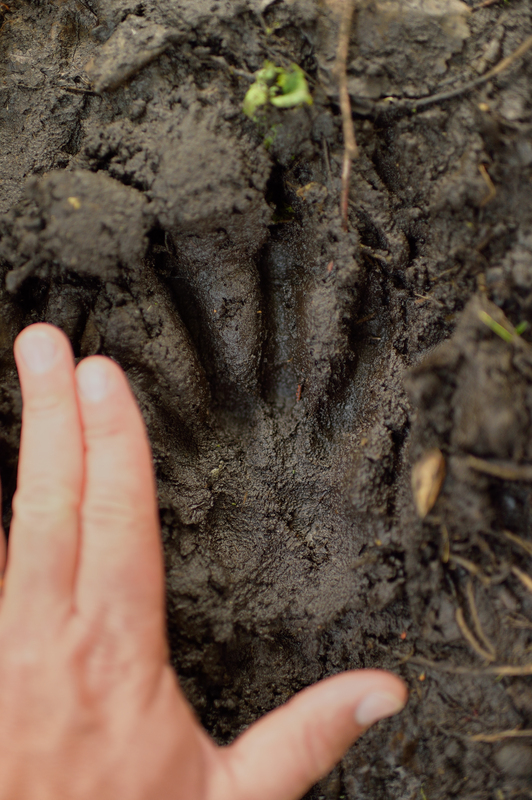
(89, 707)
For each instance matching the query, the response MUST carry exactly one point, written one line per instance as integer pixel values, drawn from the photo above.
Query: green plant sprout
(496, 327)
(281, 87)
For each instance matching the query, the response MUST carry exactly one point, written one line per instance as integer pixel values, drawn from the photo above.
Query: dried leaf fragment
(428, 475)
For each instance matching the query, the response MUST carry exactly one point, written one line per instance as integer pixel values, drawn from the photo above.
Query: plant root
(471, 567)
(470, 594)
(350, 144)
(468, 636)
(501, 469)
(485, 4)
(513, 537)
(497, 737)
(525, 579)
(501, 670)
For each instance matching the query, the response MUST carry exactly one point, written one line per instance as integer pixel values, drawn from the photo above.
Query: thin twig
(327, 160)
(446, 546)
(503, 670)
(471, 567)
(496, 737)
(470, 594)
(518, 621)
(421, 102)
(504, 64)
(505, 470)
(485, 4)
(90, 10)
(525, 579)
(249, 76)
(350, 144)
(77, 90)
(513, 537)
(468, 636)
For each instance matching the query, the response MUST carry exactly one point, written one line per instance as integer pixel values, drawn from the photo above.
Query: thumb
(287, 751)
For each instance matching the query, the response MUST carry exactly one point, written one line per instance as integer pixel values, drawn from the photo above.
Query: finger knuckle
(39, 501)
(21, 657)
(105, 510)
(315, 745)
(109, 428)
(43, 406)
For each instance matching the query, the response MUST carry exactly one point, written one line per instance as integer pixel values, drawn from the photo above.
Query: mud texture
(291, 373)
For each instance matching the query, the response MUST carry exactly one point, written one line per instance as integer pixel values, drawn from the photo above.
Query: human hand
(90, 708)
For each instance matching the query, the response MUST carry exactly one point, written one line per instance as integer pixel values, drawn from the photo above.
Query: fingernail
(376, 706)
(38, 351)
(93, 382)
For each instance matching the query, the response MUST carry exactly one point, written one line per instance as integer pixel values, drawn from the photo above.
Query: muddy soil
(292, 373)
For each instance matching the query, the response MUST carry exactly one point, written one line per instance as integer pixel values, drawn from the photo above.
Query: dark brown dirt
(151, 220)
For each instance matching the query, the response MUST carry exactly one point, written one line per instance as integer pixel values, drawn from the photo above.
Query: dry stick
(503, 670)
(466, 633)
(525, 579)
(470, 593)
(505, 470)
(513, 537)
(77, 90)
(523, 623)
(350, 144)
(496, 737)
(485, 4)
(471, 567)
(439, 98)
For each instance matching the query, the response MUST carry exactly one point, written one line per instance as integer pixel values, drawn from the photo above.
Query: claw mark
(298, 393)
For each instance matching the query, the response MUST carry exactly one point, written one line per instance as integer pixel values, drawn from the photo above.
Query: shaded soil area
(291, 373)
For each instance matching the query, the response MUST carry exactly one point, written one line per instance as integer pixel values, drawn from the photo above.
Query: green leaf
(257, 95)
(294, 89)
(507, 336)
(283, 88)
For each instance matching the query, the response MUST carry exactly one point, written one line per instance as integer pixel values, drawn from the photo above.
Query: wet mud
(291, 373)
